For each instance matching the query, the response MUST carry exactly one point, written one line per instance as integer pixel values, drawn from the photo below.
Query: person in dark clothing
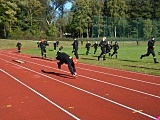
(42, 46)
(150, 50)
(115, 48)
(19, 45)
(75, 47)
(81, 42)
(57, 42)
(108, 48)
(66, 59)
(54, 45)
(102, 44)
(137, 42)
(38, 44)
(88, 45)
(95, 45)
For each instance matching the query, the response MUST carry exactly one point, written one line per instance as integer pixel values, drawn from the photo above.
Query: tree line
(86, 18)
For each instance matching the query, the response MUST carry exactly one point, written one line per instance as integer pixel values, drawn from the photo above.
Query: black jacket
(63, 57)
(19, 45)
(88, 45)
(75, 44)
(43, 45)
(151, 44)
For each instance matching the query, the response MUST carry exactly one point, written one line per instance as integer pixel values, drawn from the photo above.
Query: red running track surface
(39, 90)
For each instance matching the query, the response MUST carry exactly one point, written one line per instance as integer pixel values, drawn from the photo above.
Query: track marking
(133, 79)
(41, 95)
(97, 80)
(100, 67)
(121, 70)
(80, 89)
(137, 111)
(120, 76)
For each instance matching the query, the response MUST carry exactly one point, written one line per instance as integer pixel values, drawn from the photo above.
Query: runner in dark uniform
(102, 44)
(42, 46)
(19, 46)
(64, 58)
(150, 50)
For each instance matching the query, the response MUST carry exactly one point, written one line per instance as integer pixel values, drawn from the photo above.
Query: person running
(150, 50)
(19, 45)
(102, 44)
(42, 46)
(88, 45)
(108, 48)
(115, 48)
(95, 45)
(75, 47)
(54, 45)
(66, 59)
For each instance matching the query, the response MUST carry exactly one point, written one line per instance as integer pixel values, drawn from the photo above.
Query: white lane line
(120, 76)
(122, 70)
(133, 79)
(80, 89)
(97, 80)
(41, 95)
(103, 67)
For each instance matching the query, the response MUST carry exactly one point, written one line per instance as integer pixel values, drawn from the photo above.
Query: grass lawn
(128, 55)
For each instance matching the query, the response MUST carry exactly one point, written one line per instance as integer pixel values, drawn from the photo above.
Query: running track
(38, 90)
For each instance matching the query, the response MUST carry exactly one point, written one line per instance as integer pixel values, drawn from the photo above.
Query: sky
(68, 5)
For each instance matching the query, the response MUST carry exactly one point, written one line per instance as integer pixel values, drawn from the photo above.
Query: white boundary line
(133, 79)
(121, 70)
(97, 80)
(104, 67)
(41, 95)
(119, 104)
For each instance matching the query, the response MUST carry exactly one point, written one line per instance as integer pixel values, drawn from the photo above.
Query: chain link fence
(126, 29)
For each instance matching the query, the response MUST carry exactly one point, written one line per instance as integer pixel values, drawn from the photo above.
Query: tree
(81, 16)
(7, 17)
(147, 28)
(155, 9)
(116, 11)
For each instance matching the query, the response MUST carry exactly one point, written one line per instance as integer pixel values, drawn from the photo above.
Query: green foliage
(36, 18)
(115, 8)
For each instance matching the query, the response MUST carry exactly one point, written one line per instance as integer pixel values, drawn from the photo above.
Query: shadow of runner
(58, 74)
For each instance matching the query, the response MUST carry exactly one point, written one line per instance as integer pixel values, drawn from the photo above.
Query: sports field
(128, 55)
(36, 89)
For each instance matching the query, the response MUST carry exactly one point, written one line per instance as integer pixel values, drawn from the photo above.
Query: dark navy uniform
(64, 58)
(54, 45)
(108, 48)
(102, 44)
(150, 50)
(75, 47)
(88, 45)
(95, 45)
(115, 47)
(42, 46)
(19, 46)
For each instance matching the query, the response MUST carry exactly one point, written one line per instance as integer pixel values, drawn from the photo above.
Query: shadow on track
(58, 74)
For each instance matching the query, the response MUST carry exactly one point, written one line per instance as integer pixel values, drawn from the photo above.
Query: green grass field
(128, 55)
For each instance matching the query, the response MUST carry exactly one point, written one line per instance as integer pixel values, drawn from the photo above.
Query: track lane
(19, 102)
(87, 106)
(66, 69)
